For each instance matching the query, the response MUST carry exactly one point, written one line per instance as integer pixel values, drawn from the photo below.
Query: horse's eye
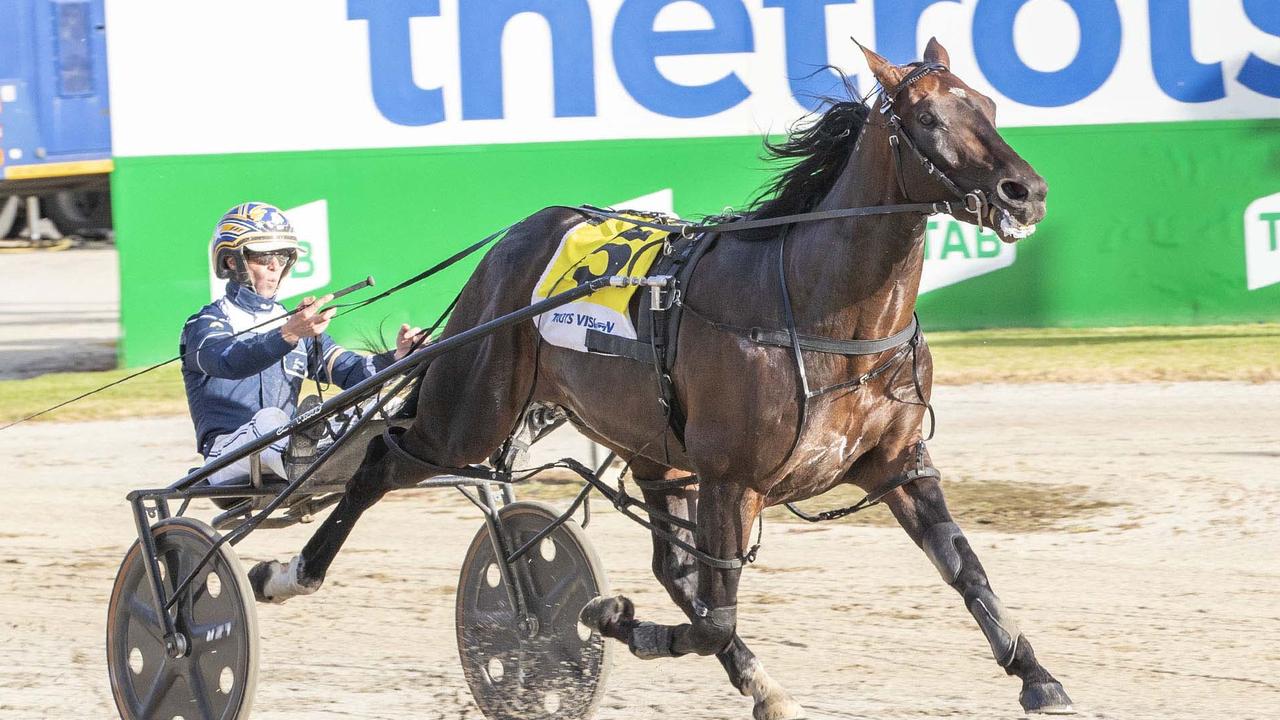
(926, 118)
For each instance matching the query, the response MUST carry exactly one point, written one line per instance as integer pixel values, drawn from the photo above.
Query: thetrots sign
(394, 73)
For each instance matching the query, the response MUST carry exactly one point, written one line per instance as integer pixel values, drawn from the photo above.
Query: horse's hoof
(602, 613)
(258, 576)
(275, 582)
(773, 702)
(1046, 698)
(785, 708)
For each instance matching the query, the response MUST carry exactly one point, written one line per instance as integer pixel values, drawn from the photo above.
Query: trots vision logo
(312, 271)
(1262, 242)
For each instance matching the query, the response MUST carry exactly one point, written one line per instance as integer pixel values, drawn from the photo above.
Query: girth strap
(658, 329)
(602, 342)
(835, 346)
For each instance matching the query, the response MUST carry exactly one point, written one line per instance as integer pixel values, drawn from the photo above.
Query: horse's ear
(935, 53)
(885, 72)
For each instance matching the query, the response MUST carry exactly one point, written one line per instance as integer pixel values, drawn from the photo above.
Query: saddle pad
(591, 249)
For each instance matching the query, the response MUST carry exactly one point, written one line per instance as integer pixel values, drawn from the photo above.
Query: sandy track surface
(59, 311)
(1163, 602)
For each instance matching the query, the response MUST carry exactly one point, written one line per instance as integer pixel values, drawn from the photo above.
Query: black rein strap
(690, 229)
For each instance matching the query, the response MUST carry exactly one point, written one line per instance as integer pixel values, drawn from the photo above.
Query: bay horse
(752, 434)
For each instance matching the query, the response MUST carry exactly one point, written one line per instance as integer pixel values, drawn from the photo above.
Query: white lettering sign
(372, 73)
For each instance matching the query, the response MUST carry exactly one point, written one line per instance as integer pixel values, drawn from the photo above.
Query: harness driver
(241, 388)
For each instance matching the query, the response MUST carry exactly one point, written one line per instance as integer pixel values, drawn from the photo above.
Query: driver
(245, 387)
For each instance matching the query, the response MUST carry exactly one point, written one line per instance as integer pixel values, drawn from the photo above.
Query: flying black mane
(818, 146)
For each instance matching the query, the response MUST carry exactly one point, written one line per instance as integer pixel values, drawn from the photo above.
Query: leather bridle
(975, 201)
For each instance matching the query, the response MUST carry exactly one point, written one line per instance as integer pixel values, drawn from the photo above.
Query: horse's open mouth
(1007, 228)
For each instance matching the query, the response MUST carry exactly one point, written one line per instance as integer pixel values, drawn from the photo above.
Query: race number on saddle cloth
(596, 247)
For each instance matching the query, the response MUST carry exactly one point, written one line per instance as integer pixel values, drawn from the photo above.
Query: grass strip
(1249, 353)
(159, 392)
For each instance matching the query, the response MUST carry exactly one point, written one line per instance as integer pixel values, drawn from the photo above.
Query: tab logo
(956, 251)
(312, 271)
(1262, 242)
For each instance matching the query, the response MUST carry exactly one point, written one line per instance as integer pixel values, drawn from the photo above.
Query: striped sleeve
(343, 367)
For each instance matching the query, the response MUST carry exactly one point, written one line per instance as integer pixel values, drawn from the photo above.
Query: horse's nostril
(1012, 191)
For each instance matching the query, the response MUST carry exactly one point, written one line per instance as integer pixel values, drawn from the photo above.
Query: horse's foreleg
(920, 508)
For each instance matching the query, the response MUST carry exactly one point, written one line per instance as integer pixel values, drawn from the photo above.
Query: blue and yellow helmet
(254, 226)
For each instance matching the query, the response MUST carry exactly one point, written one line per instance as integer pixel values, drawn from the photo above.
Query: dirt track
(1160, 597)
(59, 311)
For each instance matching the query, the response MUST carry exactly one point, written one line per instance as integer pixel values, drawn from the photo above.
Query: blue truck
(55, 124)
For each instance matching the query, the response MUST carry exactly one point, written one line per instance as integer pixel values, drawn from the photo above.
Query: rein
(367, 282)
(688, 230)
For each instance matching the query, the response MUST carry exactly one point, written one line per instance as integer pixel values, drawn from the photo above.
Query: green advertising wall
(1145, 222)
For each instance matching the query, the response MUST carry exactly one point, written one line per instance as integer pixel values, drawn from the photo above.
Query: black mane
(819, 147)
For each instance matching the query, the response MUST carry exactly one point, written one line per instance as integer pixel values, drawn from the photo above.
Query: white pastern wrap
(283, 582)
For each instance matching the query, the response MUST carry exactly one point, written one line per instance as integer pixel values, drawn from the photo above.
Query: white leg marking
(773, 702)
(284, 584)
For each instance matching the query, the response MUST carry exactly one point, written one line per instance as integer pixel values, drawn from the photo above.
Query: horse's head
(953, 128)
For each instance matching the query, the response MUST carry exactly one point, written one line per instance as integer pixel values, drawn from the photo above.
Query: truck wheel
(79, 212)
(12, 215)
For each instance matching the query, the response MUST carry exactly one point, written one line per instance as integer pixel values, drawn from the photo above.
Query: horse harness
(658, 321)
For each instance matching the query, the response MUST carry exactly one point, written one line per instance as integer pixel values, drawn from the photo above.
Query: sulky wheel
(553, 667)
(215, 678)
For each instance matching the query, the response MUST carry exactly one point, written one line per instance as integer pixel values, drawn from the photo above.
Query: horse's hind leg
(706, 595)
(922, 511)
(677, 570)
(470, 400)
(275, 582)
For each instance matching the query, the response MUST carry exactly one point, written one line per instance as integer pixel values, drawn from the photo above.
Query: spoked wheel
(552, 667)
(216, 677)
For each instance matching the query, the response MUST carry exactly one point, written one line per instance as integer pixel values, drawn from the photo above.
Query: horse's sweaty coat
(592, 249)
(845, 268)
